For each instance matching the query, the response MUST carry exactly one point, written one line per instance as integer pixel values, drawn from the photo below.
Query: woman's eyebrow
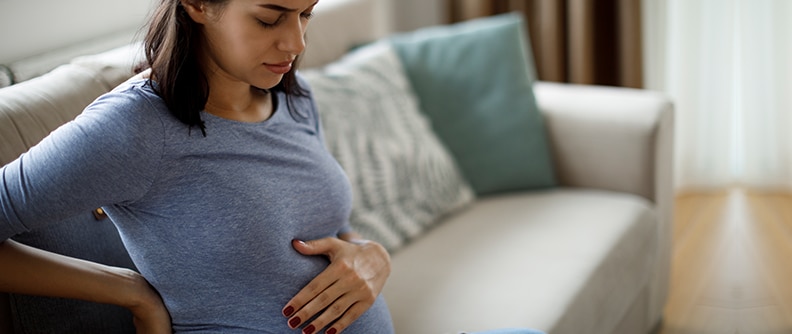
(278, 8)
(281, 8)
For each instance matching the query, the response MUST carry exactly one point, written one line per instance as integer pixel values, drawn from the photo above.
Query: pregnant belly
(376, 320)
(250, 301)
(247, 291)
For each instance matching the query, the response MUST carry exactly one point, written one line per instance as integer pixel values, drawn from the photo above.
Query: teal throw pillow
(474, 81)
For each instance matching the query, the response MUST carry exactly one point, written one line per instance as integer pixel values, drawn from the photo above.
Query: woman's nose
(293, 38)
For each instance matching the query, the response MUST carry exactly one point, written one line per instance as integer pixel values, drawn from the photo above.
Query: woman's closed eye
(269, 23)
(272, 24)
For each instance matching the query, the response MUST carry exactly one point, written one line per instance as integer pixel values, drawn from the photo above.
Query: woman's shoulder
(131, 110)
(132, 102)
(138, 94)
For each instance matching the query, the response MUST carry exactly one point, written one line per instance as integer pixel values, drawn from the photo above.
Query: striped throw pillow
(403, 179)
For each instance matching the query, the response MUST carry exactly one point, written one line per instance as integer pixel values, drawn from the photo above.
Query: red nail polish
(331, 331)
(288, 311)
(294, 322)
(309, 330)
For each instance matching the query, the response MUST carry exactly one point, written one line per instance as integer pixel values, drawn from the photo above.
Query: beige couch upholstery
(591, 256)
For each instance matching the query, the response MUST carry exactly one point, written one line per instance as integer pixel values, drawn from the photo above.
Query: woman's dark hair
(172, 45)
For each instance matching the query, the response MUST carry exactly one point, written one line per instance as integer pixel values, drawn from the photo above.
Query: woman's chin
(267, 83)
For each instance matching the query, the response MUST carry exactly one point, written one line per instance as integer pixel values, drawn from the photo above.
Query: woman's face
(254, 41)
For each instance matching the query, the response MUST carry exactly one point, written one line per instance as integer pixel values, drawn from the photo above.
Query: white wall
(31, 27)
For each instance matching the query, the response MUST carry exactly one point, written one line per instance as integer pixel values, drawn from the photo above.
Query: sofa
(587, 252)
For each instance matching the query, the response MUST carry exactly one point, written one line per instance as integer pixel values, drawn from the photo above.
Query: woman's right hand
(148, 310)
(31, 271)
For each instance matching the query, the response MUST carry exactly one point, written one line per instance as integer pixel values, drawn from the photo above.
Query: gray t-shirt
(207, 220)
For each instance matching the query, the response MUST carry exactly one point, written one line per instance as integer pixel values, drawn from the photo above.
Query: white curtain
(727, 64)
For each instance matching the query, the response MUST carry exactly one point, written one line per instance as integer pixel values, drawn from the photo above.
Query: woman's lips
(281, 68)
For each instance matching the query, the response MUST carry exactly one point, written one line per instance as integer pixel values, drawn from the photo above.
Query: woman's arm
(31, 271)
(346, 289)
(108, 154)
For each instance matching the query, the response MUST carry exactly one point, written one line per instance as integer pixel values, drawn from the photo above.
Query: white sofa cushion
(562, 261)
(403, 179)
(30, 110)
(114, 66)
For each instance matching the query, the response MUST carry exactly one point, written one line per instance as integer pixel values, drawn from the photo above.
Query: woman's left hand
(344, 290)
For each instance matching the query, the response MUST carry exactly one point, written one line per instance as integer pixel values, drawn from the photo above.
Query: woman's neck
(238, 101)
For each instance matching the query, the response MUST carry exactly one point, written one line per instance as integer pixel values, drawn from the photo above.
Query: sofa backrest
(30, 110)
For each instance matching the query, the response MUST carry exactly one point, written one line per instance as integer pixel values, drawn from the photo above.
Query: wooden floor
(732, 264)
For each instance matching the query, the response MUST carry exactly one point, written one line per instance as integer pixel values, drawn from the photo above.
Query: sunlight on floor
(729, 273)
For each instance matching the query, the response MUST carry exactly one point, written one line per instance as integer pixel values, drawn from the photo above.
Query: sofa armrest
(608, 138)
(618, 139)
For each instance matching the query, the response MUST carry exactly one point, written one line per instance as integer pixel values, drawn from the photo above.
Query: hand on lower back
(148, 310)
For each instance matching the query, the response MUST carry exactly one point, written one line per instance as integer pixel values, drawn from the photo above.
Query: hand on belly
(344, 290)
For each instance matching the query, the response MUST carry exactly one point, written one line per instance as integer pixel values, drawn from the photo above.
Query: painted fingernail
(288, 311)
(294, 322)
(331, 331)
(309, 330)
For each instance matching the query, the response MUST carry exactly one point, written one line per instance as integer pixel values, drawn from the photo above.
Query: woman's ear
(196, 10)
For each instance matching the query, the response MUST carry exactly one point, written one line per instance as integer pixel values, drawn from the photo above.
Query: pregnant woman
(214, 170)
